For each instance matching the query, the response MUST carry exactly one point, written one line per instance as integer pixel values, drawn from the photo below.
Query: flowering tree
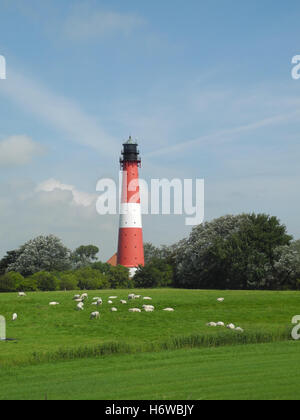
(44, 253)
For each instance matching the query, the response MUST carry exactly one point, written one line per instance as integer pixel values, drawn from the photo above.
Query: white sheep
(239, 329)
(84, 296)
(15, 317)
(148, 307)
(147, 298)
(99, 302)
(53, 303)
(131, 296)
(114, 309)
(22, 294)
(220, 300)
(231, 326)
(94, 303)
(95, 315)
(123, 302)
(110, 302)
(97, 298)
(80, 306)
(134, 310)
(76, 297)
(113, 297)
(169, 309)
(220, 324)
(211, 324)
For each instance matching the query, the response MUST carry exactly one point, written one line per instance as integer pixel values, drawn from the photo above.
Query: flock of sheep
(97, 301)
(221, 324)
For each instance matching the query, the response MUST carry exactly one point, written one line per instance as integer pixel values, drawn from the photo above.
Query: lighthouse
(130, 246)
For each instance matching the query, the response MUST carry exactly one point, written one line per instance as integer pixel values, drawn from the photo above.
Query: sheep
(148, 307)
(147, 298)
(211, 324)
(95, 315)
(53, 303)
(123, 302)
(22, 294)
(76, 297)
(134, 310)
(97, 298)
(131, 296)
(99, 302)
(220, 300)
(113, 297)
(15, 317)
(168, 309)
(239, 329)
(78, 300)
(94, 303)
(114, 309)
(137, 296)
(110, 302)
(80, 306)
(84, 296)
(231, 326)
(220, 324)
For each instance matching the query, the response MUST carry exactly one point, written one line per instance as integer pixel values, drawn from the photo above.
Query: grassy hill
(48, 336)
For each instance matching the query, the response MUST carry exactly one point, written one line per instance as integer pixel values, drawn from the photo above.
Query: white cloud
(78, 198)
(85, 23)
(18, 150)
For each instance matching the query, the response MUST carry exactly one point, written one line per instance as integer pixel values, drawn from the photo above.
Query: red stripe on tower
(130, 248)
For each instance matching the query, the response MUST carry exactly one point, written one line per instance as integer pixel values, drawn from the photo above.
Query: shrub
(156, 274)
(46, 281)
(29, 284)
(10, 282)
(119, 278)
(68, 282)
(90, 279)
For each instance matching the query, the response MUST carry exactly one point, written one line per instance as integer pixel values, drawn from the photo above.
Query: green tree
(232, 252)
(119, 278)
(158, 273)
(90, 279)
(10, 258)
(84, 255)
(44, 253)
(46, 281)
(10, 282)
(68, 281)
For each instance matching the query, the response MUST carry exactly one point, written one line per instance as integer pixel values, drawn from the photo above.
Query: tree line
(243, 252)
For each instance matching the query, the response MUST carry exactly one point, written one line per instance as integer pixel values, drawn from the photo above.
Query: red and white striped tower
(130, 248)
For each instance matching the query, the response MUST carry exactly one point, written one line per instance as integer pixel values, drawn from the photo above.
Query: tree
(90, 279)
(158, 273)
(44, 253)
(10, 282)
(10, 258)
(45, 281)
(119, 278)
(84, 255)
(68, 281)
(232, 252)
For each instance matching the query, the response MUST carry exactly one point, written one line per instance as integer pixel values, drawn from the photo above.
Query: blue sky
(205, 86)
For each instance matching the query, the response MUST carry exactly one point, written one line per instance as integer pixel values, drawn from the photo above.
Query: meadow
(62, 352)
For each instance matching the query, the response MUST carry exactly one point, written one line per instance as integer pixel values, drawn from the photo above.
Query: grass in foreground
(250, 372)
(47, 333)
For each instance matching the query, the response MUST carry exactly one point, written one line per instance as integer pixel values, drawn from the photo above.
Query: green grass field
(62, 353)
